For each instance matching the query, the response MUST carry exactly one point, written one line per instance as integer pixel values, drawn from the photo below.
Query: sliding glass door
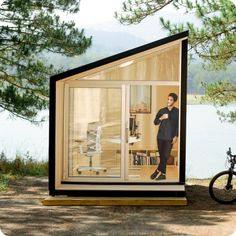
(93, 128)
(109, 131)
(143, 152)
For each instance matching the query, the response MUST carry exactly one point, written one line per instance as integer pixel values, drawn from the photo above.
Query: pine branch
(36, 122)
(28, 29)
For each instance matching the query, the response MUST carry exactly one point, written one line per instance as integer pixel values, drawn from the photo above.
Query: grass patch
(4, 182)
(19, 167)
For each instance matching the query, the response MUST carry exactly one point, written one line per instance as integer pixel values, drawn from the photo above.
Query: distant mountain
(114, 41)
(148, 30)
(104, 44)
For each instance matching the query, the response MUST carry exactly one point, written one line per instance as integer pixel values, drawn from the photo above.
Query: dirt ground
(21, 213)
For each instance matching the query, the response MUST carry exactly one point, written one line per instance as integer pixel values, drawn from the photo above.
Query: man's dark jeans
(164, 148)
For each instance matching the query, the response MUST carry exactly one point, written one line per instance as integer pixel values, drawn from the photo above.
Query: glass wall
(94, 132)
(160, 65)
(110, 133)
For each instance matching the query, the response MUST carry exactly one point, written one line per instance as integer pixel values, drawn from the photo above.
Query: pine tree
(28, 29)
(221, 93)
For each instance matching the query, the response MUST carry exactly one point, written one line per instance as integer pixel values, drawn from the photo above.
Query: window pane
(95, 132)
(161, 65)
(145, 152)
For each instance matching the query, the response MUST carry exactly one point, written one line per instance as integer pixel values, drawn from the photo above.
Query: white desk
(132, 139)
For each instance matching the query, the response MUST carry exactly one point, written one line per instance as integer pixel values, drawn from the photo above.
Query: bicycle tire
(217, 188)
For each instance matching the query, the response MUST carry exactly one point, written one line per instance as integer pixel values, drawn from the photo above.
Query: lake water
(207, 140)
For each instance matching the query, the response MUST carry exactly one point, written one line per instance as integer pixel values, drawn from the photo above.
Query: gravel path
(21, 213)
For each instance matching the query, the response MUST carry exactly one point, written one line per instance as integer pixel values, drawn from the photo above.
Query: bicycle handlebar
(229, 151)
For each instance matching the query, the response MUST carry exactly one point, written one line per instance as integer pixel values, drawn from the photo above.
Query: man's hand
(164, 116)
(174, 140)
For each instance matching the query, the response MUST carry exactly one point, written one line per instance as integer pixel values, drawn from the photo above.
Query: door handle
(127, 135)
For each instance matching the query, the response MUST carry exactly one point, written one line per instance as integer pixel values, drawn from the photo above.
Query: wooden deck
(112, 201)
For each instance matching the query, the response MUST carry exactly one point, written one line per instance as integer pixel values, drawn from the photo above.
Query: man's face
(170, 101)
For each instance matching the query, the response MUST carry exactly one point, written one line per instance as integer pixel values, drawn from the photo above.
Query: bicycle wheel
(220, 190)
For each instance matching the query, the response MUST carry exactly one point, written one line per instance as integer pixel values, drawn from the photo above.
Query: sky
(102, 11)
(99, 15)
(95, 12)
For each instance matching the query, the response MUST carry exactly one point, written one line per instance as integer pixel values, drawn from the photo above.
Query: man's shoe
(154, 174)
(161, 177)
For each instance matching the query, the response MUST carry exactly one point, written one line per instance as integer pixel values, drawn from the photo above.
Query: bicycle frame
(232, 161)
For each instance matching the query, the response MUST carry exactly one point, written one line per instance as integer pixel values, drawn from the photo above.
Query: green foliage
(134, 11)
(221, 93)
(29, 28)
(19, 167)
(4, 182)
(23, 166)
(215, 40)
(198, 75)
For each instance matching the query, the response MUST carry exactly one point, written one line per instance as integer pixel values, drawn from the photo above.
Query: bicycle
(222, 187)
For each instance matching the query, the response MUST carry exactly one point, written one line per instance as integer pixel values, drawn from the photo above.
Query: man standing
(168, 119)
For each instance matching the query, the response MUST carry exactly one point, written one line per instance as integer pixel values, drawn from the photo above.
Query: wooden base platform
(112, 201)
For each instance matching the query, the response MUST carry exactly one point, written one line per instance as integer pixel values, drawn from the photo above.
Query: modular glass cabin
(103, 140)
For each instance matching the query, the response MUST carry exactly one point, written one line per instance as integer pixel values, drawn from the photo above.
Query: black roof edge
(119, 56)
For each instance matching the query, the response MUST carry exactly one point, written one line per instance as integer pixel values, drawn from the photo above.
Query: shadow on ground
(21, 213)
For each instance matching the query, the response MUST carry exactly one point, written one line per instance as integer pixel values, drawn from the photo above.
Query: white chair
(92, 147)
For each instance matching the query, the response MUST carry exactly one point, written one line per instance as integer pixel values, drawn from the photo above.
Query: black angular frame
(118, 193)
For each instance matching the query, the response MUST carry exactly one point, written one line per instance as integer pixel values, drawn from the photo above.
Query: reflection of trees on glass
(140, 99)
